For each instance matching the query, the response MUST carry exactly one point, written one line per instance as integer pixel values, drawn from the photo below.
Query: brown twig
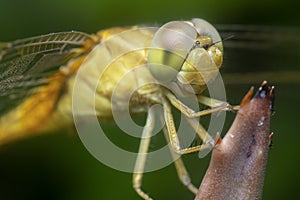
(238, 162)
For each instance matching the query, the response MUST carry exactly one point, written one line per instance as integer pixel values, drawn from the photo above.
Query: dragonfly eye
(169, 49)
(186, 52)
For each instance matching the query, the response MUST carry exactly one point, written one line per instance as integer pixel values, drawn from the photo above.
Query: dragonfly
(180, 58)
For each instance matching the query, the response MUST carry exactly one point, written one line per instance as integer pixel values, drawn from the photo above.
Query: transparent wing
(254, 53)
(258, 37)
(25, 64)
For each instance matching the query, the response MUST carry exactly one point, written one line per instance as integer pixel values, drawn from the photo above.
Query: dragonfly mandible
(37, 76)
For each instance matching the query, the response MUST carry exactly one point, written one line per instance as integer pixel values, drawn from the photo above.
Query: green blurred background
(57, 166)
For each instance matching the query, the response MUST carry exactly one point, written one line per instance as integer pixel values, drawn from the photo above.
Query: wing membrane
(25, 64)
(256, 37)
(260, 49)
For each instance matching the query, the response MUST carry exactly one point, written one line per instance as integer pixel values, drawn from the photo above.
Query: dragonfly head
(188, 53)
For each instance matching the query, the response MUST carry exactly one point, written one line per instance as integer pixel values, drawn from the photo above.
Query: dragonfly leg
(183, 175)
(142, 156)
(208, 141)
(171, 135)
(216, 105)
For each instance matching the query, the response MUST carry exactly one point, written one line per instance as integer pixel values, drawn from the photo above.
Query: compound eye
(169, 49)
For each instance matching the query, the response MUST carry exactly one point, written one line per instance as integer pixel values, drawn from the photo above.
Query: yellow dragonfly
(127, 69)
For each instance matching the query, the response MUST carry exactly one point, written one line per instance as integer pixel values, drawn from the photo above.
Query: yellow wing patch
(30, 116)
